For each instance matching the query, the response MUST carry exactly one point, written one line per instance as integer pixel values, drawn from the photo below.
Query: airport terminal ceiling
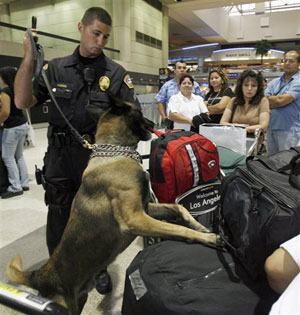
(187, 27)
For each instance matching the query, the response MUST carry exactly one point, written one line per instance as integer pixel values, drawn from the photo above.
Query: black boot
(103, 282)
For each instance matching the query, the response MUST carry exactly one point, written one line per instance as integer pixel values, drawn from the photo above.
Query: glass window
(270, 6)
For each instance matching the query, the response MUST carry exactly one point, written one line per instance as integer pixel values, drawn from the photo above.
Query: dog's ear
(118, 103)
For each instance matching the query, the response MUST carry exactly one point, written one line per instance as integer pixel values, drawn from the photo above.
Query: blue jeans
(12, 155)
(279, 140)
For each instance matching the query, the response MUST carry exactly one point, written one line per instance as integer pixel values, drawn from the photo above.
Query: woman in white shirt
(184, 106)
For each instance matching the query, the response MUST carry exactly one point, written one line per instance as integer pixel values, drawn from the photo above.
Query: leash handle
(38, 53)
(33, 22)
(33, 26)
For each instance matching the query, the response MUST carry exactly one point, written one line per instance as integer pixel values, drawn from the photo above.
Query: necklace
(212, 99)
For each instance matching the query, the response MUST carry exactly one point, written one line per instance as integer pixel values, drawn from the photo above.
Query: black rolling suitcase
(177, 278)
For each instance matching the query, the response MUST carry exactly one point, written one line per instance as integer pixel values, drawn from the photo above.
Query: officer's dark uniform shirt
(71, 91)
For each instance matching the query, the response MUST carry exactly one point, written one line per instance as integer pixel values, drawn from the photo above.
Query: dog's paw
(214, 239)
(219, 241)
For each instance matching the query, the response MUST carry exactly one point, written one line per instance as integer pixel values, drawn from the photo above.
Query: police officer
(79, 82)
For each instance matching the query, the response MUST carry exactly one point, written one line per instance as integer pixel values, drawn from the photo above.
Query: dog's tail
(16, 274)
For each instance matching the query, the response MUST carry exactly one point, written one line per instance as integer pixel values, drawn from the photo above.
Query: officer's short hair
(96, 13)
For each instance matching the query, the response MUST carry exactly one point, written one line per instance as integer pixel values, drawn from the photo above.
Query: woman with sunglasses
(219, 94)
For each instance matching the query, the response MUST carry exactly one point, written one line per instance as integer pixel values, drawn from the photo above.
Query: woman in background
(14, 132)
(249, 107)
(219, 94)
(185, 105)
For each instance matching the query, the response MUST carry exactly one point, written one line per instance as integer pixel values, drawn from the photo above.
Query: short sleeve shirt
(67, 80)
(293, 248)
(289, 302)
(16, 116)
(187, 107)
(249, 116)
(285, 118)
(171, 88)
(213, 98)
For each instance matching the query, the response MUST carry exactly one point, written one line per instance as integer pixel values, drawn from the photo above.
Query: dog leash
(38, 53)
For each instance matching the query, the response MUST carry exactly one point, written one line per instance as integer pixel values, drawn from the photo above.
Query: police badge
(104, 83)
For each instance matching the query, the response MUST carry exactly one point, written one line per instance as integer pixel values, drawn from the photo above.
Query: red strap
(159, 133)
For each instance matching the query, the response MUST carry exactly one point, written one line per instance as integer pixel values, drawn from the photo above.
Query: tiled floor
(22, 231)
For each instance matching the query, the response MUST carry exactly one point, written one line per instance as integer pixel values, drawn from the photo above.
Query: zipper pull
(255, 191)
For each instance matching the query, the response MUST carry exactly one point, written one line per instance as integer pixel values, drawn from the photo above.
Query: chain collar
(107, 150)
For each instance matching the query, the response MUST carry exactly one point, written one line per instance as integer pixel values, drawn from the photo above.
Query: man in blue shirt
(283, 94)
(171, 88)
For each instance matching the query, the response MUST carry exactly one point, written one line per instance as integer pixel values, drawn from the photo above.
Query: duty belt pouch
(39, 176)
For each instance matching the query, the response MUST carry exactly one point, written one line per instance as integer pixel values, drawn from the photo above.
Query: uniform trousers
(63, 168)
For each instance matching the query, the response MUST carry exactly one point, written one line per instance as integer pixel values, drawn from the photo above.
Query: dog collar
(107, 150)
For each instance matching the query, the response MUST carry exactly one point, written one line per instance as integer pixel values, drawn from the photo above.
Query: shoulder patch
(127, 80)
(46, 66)
(104, 83)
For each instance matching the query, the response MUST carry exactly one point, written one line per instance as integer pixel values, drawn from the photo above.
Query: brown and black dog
(107, 214)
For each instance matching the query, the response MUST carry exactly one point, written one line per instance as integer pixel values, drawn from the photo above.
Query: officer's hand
(28, 52)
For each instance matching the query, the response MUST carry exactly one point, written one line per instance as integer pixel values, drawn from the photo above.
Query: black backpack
(260, 208)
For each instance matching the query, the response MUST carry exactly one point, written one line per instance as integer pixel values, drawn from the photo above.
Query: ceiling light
(200, 46)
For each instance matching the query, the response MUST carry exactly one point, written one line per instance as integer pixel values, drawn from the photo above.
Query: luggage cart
(232, 150)
(235, 138)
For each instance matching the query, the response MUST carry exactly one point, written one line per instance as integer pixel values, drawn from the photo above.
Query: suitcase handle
(294, 178)
(272, 166)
